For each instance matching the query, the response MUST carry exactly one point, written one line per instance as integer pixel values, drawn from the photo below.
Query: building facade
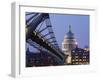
(80, 56)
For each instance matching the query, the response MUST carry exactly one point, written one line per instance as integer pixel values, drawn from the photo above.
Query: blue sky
(79, 25)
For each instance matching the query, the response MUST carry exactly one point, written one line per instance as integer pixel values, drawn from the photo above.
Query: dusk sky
(79, 25)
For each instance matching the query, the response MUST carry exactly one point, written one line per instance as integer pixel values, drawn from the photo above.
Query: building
(79, 56)
(86, 48)
(68, 44)
(39, 59)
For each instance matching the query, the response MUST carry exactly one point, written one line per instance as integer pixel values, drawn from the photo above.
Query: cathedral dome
(69, 42)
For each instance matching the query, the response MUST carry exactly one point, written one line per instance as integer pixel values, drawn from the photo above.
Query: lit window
(76, 62)
(73, 51)
(84, 56)
(76, 56)
(76, 59)
(80, 59)
(84, 59)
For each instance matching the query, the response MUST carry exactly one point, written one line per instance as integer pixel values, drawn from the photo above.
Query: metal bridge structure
(43, 37)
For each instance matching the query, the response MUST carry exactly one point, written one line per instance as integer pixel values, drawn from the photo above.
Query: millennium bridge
(43, 41)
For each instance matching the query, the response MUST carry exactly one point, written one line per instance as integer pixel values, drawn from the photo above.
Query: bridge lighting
(34, 33)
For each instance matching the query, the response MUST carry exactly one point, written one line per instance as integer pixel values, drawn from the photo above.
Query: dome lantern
(70, 35)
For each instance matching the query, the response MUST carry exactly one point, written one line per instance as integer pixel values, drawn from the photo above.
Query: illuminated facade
(68, 44)
(79, 56)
